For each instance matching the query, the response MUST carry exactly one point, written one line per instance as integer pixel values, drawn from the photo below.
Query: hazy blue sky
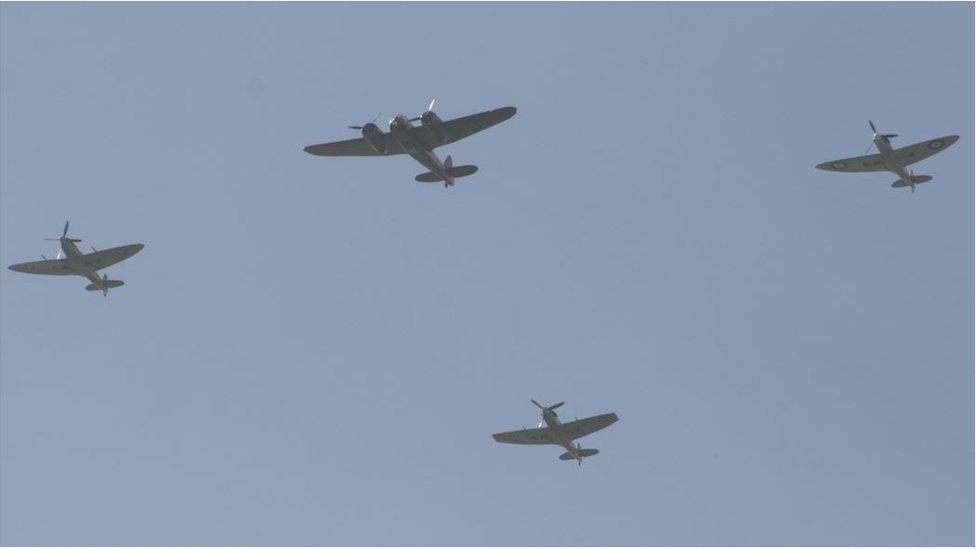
(317, 350)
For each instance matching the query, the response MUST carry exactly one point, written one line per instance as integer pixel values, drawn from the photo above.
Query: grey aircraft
(892, 160)
(552, 431)
(71, 261)
(417, 141)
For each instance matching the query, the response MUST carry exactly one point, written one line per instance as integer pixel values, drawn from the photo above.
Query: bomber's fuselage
(400, 129)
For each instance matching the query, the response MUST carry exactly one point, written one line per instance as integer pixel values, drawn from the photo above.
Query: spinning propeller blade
(429, 108)
(886, 136)
(64, 234)
(875, 130)
(549, 408)
(377, 117)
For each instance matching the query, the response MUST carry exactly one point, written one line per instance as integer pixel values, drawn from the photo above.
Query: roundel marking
(937, 144)
(839, 165)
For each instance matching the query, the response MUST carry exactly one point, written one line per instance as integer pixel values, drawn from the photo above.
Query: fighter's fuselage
(891, 163)
(556, 433)
(69, 248)
(79, 266)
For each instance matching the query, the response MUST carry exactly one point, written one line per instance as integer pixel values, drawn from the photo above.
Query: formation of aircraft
(71, 261)
(892, 160)
(552, 431)
(420, 142)
(417, 141)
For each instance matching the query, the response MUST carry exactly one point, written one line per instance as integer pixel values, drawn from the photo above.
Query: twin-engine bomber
(417, 141)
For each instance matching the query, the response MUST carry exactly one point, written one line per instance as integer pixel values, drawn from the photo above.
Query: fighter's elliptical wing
(525, 436)
(583, 427)
(906, 155)
(106, 258)
(46, 267)
(920, 151)
(78, 265)
(459, 128)
(869, 163)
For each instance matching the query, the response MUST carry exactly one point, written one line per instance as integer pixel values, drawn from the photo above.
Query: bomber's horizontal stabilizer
(915, 180)
(456, 171)
(584, 452)
(107, 283)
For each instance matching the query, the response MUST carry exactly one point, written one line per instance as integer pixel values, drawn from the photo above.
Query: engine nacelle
(434, 125)
(374, 138)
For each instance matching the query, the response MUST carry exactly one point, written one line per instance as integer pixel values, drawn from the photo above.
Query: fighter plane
(892, 160)
(551, 431)
(71, 261)
(417, 141)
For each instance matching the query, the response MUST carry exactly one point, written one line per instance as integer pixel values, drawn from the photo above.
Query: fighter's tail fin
(916, 179)
(105, 285)
(582, 452)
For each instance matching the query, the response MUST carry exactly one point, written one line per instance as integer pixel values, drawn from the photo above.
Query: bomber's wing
(354, 147)
(583, 427)
(525, 436)
(459, 128)
(46, 267)
(869, 163)
(920, 151)
(106, 258)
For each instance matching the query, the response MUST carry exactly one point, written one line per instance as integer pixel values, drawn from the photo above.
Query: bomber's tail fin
(454, 171)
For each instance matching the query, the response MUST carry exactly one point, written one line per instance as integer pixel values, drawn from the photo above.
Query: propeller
(875, 130)
(361, 127)
(550, 408)
(429, 108)
(64, 235)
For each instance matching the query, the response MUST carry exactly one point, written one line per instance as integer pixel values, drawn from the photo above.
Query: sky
(316, 351)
